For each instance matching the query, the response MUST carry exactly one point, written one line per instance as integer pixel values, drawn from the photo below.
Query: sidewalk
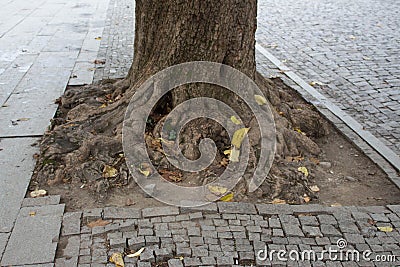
(48, 44)
(42, 43)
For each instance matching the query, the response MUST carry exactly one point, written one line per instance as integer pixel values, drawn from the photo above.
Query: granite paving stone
(17, 164)
(35, 235)
(41, 201)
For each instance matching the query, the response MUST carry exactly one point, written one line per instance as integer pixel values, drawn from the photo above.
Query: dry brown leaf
(99, 222)
(38, 193)
(172, 176)
(278, 201)
(295, 159)
(23, 119)
(129, 202)
(224, 162)
(314, 188)
(314, 160)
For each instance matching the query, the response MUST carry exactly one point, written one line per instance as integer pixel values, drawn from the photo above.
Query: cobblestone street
(350, 49)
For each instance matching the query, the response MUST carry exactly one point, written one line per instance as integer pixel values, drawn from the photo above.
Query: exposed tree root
(86, 137)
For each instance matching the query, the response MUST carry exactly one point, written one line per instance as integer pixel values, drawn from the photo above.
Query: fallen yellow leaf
(386, 229)
(234, 156)
(260, 100)
(109, 172)
(145, 169)
(303, 170)
(235, 120)
(299, 131)
(32, 213)
(117, 259)
(145, 173)
(136, 254)
(227, 152)
(307, 199)
(238, 137)
(227, 197)
(217, 190)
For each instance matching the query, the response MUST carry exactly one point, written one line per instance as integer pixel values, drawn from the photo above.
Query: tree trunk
(170, 32)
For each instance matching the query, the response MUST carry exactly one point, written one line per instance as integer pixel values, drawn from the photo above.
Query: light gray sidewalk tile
(16, 164)
(35, 236)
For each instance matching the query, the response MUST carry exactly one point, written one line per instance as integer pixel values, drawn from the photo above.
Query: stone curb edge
(225, 208)
(371, 146)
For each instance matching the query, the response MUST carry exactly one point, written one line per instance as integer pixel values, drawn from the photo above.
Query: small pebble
(325, 165)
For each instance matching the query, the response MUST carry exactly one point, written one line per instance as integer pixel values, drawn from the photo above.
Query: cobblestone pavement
(228, 234)
(351, 47)
(116, 48)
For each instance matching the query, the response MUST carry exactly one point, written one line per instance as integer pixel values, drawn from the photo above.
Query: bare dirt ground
(339, 175)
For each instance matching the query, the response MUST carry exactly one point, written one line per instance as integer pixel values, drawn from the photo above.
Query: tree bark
(170, 32)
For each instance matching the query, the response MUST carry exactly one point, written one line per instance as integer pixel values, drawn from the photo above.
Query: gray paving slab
(82, 73)
(3, 242)
(27, 114)
(41, 201)
(11, 76)
(35, 236)
(16, 164)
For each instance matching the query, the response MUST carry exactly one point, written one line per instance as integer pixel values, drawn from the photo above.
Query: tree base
(84, 143)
